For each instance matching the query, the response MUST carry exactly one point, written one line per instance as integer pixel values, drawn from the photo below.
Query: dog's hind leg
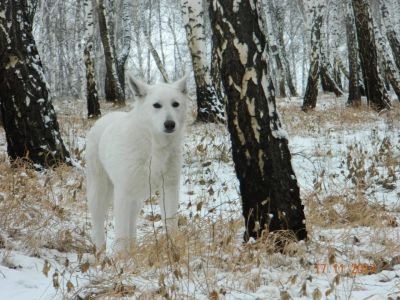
(99, 192)
(122, 215)
(127, 205)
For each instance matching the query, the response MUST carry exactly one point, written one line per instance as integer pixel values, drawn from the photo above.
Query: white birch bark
(113, 89)
(123, 37)
(387, 62)
(155, 56)
(209, 104)
(92, 99)
(390, 20)
(316, 9)
(177, 52)
(274, 48)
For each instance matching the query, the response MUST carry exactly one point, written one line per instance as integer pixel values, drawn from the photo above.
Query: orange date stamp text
(341, 268)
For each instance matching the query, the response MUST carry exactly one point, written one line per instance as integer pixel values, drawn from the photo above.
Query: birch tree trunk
(148, 30)
(123, 34)
(155, 56)
(92, 98)
(377, 95)
(316, 9)
(274, 48)
(29, 119)
(278, 10)
(354, 98)
(177, 52)
(215, 71)
(137, 37)
(268, 185)
(337, 75)
(327, 78)
(113, 89)
(160, 32)
(326, 70)
(391, 71)
(59, 34)
(215, 63)
(391, 34)
(335, 36)
(210, 106)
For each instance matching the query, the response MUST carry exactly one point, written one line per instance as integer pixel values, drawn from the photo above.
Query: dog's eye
(175, 104)
(157, 105)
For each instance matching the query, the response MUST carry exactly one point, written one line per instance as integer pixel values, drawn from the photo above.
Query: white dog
(132, 154)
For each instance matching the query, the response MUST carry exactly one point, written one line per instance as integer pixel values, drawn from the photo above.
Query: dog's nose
(169, 125)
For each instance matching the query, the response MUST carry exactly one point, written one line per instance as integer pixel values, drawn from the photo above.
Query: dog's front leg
(169, 196)
(169, 205)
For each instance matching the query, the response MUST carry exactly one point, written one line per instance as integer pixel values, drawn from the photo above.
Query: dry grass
(335, 117)
(342, 211)
(38, 209)
(42, 211)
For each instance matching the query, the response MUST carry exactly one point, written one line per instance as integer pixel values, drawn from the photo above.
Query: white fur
(130, 155)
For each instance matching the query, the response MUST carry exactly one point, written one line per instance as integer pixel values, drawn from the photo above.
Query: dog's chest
(156, 167)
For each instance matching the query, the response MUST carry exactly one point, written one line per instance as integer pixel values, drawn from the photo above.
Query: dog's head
(163, 105)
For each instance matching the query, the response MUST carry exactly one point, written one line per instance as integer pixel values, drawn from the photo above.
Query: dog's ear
(181, 84)
(138, 88)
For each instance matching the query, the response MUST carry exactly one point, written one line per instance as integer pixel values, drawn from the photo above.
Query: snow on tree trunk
(210, 106)
(113, 89)
(92, 98)
(391, 34)
(354, 98)
(391, 71)
(377, 95)
(268, 185)
(316, 9)
(29, 119)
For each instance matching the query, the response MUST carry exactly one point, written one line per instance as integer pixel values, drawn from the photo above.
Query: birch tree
(274, 48)
(316, 10)
(354, 97)
(92, 97)
(155, 55)
(209, 104)
(29, 119)
(177, 53)
(278, 9)
(388, 20)
(377, 95)
(113, 89)
(391, 71)
(137, 38)
(268, 185)
(123, 38)
(327, 71)
(160, 32)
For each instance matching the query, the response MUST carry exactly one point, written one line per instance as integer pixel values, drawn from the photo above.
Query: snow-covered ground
(347, 162)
